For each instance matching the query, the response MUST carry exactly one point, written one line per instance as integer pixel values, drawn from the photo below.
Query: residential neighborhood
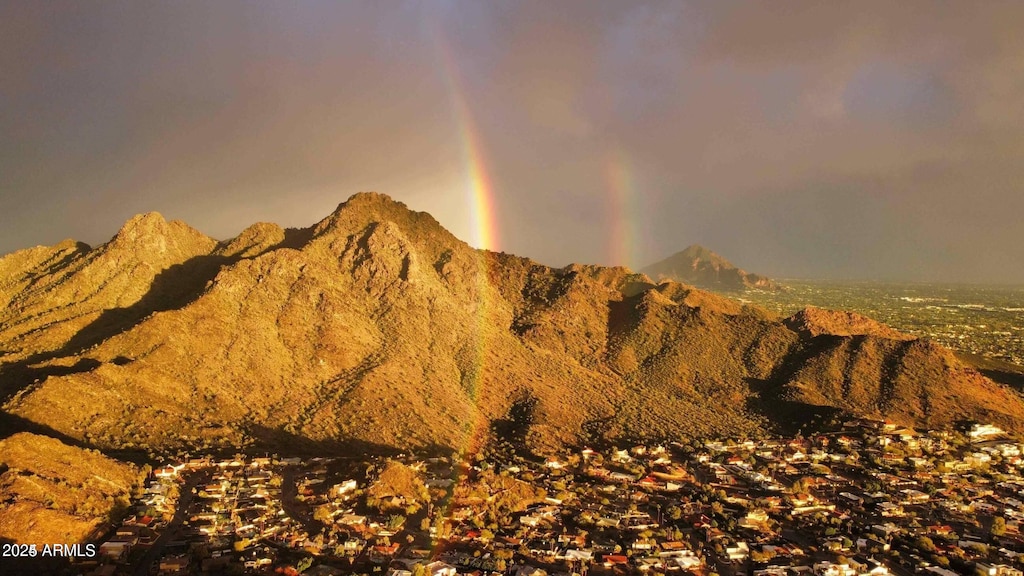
(868, 498)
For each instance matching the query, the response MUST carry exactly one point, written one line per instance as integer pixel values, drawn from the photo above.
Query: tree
(322, 514)
(674, 512)
(395, 521)
(998, 526)
(925, 544)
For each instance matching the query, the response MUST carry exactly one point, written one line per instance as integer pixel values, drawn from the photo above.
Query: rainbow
(479, 188)
(621, 210)
(484, 236)
(480, 198)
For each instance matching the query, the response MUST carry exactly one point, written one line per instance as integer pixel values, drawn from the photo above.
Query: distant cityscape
(983, 320)
(870, 498)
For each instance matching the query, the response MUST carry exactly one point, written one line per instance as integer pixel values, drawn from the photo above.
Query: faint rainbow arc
(621, 215)
(480, 196)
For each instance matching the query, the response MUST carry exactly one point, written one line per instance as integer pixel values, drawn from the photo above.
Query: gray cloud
(858, 140)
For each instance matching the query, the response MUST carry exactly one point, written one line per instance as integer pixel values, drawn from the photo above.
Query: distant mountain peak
(698, 251)
(702, 267)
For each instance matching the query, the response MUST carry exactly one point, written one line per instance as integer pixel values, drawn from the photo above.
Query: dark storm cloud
(836, 139)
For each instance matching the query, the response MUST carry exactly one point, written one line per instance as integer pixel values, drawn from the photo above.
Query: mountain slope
(52, 294)
(377, 328)
(52, 492)
(703, 268)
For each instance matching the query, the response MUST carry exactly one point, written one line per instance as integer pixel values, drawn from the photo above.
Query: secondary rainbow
(620, 210)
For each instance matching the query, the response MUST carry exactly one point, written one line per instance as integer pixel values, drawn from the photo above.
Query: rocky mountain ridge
(378, 329)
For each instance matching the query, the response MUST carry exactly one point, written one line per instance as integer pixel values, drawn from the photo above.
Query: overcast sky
(820, 139)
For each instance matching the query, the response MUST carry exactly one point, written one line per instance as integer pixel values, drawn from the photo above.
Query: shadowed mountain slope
(378, 327)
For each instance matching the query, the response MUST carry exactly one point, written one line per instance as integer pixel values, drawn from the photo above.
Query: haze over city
(862, 141)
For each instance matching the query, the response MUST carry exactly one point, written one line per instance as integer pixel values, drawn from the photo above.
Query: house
(352, 520)
(981, 432)
(381, 550)
(353, 546)
(772, 571)
(755, 519)
(175, 564)
(614, 560)
(621, 477)
(438, 568)
(869, 567)
(938, 571)
(343, 488)
(737, 552)
(851, 498)
(581, 555)
(830, 569)
(115, 550)
(685, 560)
(641, 545)
(169, 471)
(650, 563)
(985, 569)
(527, 570)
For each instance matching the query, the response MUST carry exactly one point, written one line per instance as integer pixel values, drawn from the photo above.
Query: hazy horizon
(865, 142)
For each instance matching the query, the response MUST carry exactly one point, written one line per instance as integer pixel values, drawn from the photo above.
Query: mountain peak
(370, 206)
(698, 251)
(370, 197)
(149, 237)
(369, 202)
(140, 224)
(255, 239)
(362, 210)
(704, 268)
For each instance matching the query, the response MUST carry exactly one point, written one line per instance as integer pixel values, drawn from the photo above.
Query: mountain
(52, 492)
(376, 329)
(705, 269)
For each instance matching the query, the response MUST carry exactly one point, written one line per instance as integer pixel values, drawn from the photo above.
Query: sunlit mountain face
(335, 333)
